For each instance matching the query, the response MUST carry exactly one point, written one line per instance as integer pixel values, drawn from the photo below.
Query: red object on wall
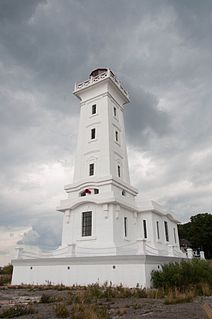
(87, 191)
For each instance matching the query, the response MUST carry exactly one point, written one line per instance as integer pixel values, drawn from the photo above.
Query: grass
(61, 310)
(16, 311)
(82, 311)
(95, 292)
(176, 296)
(48, 299)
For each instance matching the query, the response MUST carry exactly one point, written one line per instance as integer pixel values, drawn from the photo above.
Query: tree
(199, 232)
(6, 270)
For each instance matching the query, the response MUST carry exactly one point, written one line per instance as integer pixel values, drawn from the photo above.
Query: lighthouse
(108, 234)
(99, 212)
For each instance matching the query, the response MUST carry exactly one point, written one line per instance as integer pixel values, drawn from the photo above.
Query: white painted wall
(68, 271)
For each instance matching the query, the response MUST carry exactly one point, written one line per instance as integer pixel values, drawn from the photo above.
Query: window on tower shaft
(93, 133)
(91, 169)
(125, 226)
(119, 170)
(94, 109)
(114, 111)
(145, 228)
(86, 224)
(117, 136)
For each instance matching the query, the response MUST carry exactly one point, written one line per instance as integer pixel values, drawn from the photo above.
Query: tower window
(94, 109)
(114, 111)
(145, 228)
(125, 226)
(86, 224)
(117, 136)
(93, 133)
(91, 169)
(123, 192)
(166, 231)
(119, 170)
(158, 231)
(96, 191)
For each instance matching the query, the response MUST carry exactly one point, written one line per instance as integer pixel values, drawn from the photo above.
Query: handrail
(100, 77)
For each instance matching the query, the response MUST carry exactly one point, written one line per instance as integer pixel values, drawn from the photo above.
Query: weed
(176, 296)
(121, 312)
(49, 299)
(16, 311)
(82, 311)
(204, 289)
(61, 310)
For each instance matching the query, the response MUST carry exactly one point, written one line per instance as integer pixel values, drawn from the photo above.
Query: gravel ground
(125, 308)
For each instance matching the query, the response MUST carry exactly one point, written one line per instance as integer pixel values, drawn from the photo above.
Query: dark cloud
(193, 21)
(13, 11)
(143, 118)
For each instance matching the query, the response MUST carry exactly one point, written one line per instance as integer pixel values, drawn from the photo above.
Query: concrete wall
(83, 271)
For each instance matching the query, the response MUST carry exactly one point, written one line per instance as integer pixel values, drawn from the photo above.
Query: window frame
(175, 235)
(117, 136)
(93, 109)
(86, 230)
(91, 169)
(125, 227)
(166, 229)
(145, 228)
(114, 111)
(93, 133)
(158, 230)
(119, 170)
(96, 191)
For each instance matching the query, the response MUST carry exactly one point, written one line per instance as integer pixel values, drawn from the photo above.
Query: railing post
(190, 253)
(202, 254)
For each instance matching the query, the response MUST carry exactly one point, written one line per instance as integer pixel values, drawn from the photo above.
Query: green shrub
(5, 280)
(183, 275)
(16, 311)
(7, 270)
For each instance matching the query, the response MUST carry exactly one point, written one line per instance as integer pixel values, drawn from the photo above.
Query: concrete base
(126, 270)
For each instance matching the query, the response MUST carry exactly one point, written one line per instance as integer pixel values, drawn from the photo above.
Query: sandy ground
(125, 308)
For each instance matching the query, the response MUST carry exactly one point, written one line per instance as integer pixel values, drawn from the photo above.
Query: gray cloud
(143, 118)
(45, 234)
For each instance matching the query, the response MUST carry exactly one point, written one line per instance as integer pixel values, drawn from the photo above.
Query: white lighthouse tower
(101, 202)
(107, 234)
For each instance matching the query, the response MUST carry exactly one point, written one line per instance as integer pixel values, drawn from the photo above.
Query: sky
(161, 50)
